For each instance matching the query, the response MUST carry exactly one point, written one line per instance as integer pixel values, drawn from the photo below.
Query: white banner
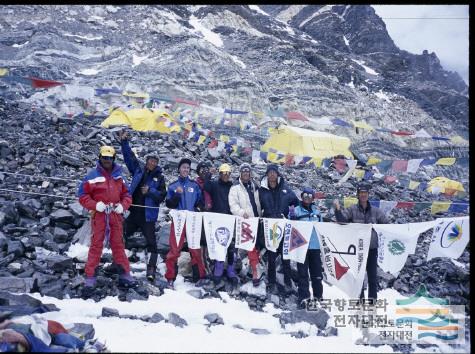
(193, 229)
(246, 233)
(179, 219)
(344, 251)
(397, 242)
(273, 233)
(219, 229)
(296, 240)
(450, 237)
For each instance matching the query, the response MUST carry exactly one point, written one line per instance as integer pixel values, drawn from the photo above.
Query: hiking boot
(256, 282)
(127, 281)
(234, 286)
(90, 282)
(170, 285)
(203, 282)
(219, 284)
(302, 304)
(288, 290)
(272, 289)
(151, 270)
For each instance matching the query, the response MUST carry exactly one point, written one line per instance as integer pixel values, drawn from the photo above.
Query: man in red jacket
(105, 194)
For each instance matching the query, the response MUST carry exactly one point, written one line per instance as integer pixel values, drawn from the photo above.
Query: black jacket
(275, 202)
(219, 192)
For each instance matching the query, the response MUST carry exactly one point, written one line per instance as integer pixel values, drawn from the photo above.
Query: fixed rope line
(143, 206)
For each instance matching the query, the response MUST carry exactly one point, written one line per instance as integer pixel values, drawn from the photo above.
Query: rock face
(329, 47)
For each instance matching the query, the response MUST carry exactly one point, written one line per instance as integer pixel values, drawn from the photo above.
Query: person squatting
(107, 195)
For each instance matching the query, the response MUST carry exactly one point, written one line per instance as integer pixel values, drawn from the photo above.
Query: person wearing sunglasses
(307, 211)
(219, 191)
(244, 202)
(104, 193)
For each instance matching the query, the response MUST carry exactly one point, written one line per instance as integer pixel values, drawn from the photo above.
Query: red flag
(319, 195)
(402, 132)
(39, 83)
(399, 165)
(406, 205)
(213, 144)
(289, 160)
(191, 103)
(297, 116)
(389, 179)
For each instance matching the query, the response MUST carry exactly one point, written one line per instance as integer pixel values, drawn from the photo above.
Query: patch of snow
(351, 84)
(137, 60)
(380, 94)
(112, 9)
(20, 45)
(232, 20)
(286, 15)
(88, 72)
(83, 37)
(323, 9)
(366, 68)
(258, 9)
(346, 41)
(236, 60)
(210, 36)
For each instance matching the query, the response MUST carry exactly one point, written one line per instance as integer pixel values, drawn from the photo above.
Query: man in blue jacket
(148, 191)
(276, 197)
(307, 211)
(183, 194)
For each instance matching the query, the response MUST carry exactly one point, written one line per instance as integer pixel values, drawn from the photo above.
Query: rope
(143, 206)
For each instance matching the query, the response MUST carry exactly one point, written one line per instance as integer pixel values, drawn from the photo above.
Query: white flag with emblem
(450, 237)
(246, 233)
(273, 233)
(396, 242)
(344, 251)
(219, 230)
(296, 240)
(193, 229)
(179, 219)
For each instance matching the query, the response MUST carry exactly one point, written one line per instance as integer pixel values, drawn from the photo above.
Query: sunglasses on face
(108, 158)
(246, 170)
(307, 195)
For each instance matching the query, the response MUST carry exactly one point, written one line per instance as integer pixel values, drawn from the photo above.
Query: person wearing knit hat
(244, 202)
(183, 194)
(276, 197)
(307, 211)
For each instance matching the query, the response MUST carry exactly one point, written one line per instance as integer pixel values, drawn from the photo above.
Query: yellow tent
(444, 185)
(305, 142)
(142, 119)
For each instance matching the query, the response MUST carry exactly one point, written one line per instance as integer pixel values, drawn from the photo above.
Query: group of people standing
(105, 193)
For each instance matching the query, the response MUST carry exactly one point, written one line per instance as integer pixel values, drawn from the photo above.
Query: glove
(292, 212)
(100, 207)
(119, 209)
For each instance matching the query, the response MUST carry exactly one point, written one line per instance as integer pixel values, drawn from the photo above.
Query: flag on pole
(450, 237)
(396, 242)
(344, 251)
